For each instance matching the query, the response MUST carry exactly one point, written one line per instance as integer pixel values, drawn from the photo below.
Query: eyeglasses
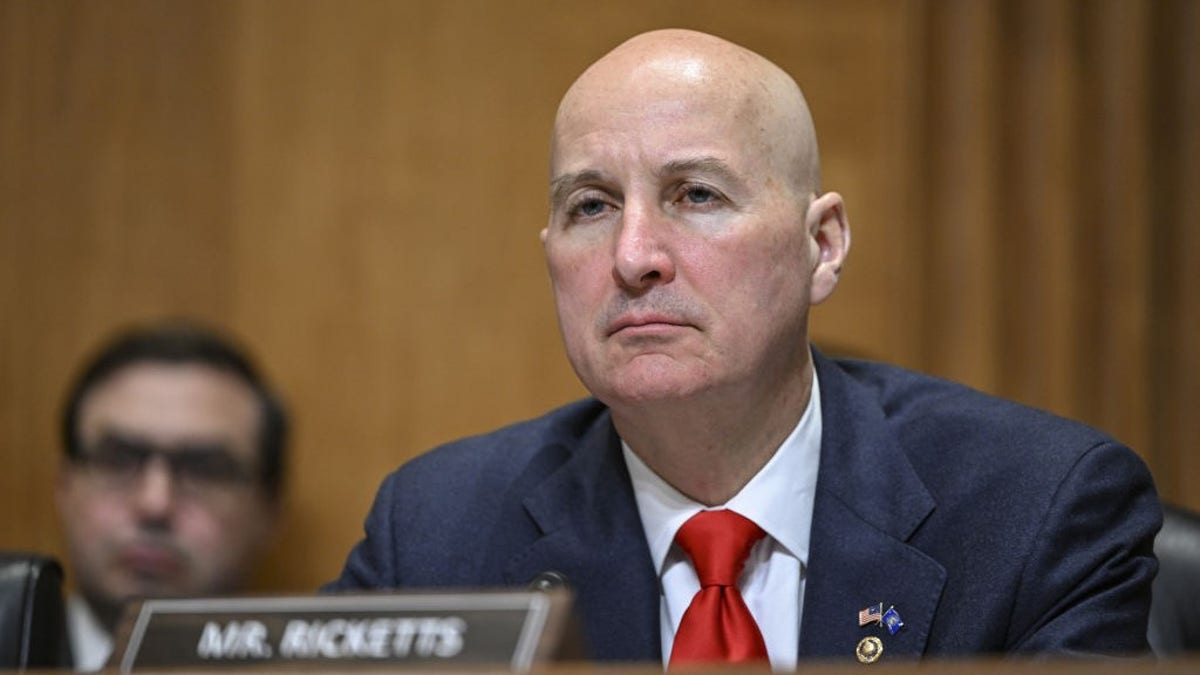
(197, 469)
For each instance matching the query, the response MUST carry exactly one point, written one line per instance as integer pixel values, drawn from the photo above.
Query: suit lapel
(592, 534)
(869, 502)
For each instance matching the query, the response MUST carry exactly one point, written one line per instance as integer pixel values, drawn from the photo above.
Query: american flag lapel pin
(872, 614)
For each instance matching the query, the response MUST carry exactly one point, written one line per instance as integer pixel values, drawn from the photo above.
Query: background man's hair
(179, 342)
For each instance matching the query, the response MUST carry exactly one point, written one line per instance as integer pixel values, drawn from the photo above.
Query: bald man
(863, 512)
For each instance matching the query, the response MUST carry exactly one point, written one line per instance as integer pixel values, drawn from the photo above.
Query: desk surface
(1189, 665)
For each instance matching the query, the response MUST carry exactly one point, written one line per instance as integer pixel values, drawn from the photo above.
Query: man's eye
(208, 467)
(590, 207)
(699, 195)
(118, 458)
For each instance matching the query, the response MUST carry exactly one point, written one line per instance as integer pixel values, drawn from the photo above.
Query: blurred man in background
(170, 485)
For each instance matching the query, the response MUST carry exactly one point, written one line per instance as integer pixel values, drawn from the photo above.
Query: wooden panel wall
(356, 189)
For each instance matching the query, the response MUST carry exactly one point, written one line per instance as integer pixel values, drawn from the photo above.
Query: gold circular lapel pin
(869, 649)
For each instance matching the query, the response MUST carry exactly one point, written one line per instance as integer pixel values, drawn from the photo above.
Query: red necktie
(717, 626)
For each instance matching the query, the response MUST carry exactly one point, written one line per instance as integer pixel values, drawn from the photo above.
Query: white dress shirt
(779, 499)
(91, 645)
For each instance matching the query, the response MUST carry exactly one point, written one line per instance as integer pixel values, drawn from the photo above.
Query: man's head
(173, 468)
(688, 235)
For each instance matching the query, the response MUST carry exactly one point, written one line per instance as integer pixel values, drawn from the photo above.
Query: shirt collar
(779, 498)
(91, 645)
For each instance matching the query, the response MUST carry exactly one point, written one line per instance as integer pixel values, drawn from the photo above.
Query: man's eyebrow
(133, 439)
(109, 434)
(708, 165)
(560, 186)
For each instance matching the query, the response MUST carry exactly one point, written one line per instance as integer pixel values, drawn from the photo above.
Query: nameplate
(513, 629)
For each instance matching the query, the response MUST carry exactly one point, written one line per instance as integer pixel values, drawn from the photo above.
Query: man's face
(166, 501)
(677, 244)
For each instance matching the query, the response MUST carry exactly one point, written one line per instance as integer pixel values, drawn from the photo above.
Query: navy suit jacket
(990, 526)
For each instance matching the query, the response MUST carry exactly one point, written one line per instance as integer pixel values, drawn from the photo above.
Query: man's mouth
(151, 561)
(645, 324)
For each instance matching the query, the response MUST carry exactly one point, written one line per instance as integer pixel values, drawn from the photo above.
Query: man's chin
(141, 589)
(652, 387)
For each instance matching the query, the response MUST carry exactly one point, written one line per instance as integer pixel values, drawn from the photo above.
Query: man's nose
(643, 255)
(155, 492)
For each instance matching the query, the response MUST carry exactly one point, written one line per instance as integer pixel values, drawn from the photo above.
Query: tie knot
(718, 543)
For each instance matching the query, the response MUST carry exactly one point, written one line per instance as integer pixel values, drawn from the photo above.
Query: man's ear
(829, 228)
